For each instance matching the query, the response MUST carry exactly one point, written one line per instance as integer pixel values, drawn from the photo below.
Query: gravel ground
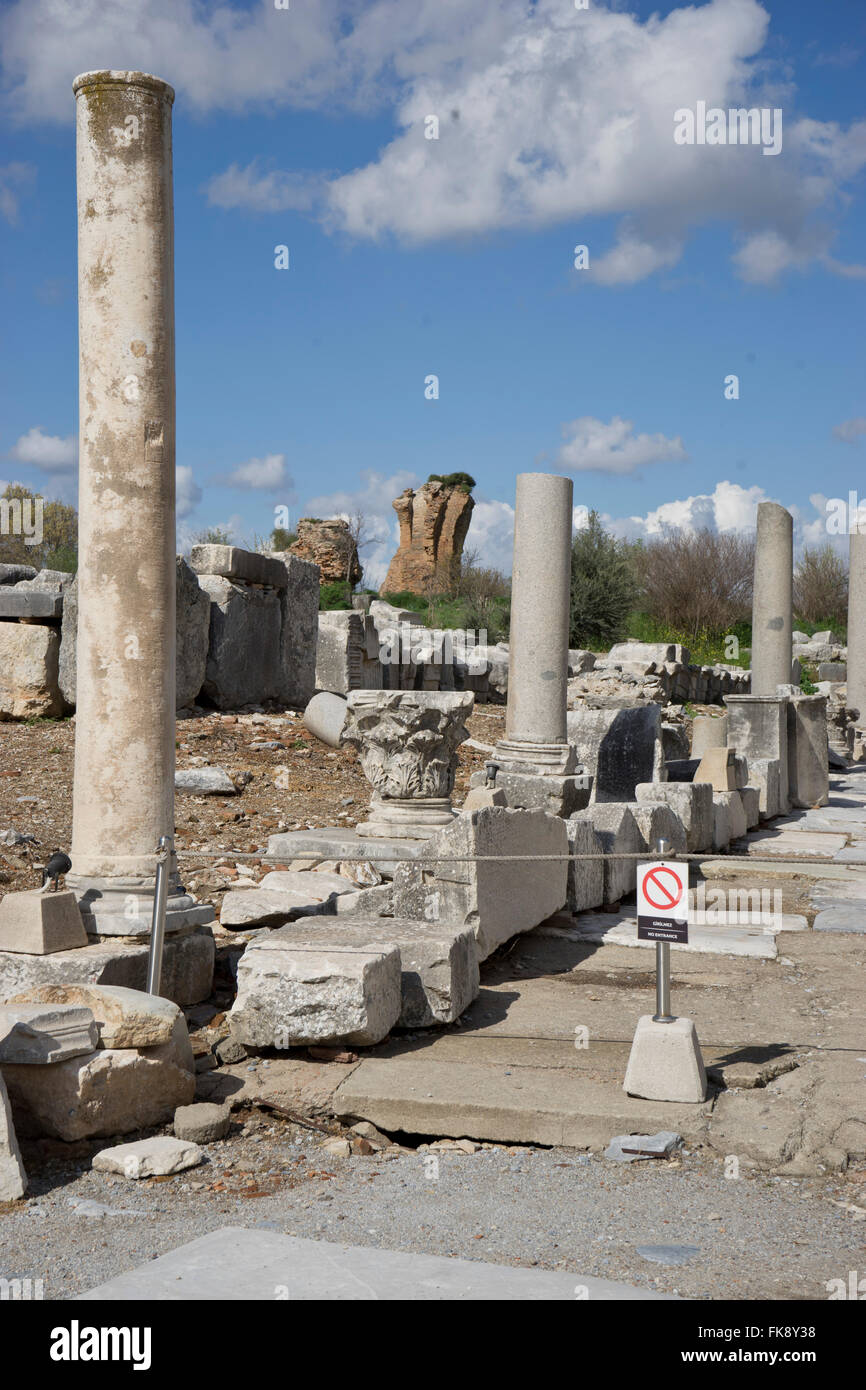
(760, 1237)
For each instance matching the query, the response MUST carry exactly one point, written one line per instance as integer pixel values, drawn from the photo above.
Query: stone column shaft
(771, 602)
(125, 722)
(856, 690)
(535, 726)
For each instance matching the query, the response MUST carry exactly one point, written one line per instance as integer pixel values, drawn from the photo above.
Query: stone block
(737, 823)
(721, 822)
(808, 767)
(536, 791)
(14, 574)
(192, 634)
(325, 717)
(203, 1123)
(187, 967)
(67, 663)
(112, 1091)
(833, 671)
(580, 661)
(341, 842)
(492, 883)
(244, 663)
(741, 771)
(585, 876)
(204, 781)
(482, 795)
(646, 652)
(123, 1017)
(230, 562)
(657, 820)
(717, 768)
(299, 615)
(665, 1062)
(758, 729)
(766, 775)
(343, 658)
(243, 908)
(675, 742)
(751, 802)
(38, 924)
(618, 747)
(149, 1158)
(30, 605)
(617, 832)
(439, 975)
(291, 995)
(36, 1034)
(708, 731)
(691, 802)
(13, 1179)
(29, 657)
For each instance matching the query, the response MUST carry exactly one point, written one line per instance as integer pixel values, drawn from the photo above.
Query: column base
(405, 818)
(544, 758)
(124, 907)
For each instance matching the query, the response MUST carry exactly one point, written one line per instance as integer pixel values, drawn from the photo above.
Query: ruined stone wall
(433, 525)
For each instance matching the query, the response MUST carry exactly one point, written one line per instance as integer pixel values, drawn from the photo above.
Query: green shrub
(603, 586)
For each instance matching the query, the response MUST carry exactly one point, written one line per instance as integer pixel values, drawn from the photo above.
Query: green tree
(603, 586)
(821, 587)
(36, 532)
(281, 539)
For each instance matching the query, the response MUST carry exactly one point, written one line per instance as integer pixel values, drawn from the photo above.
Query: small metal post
(663, 965)
(157, 929)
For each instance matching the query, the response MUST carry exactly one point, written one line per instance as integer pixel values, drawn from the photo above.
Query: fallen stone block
(657, 820)
(717, 768)
(325, 717)
(766, 775)
(187, 967)
(203, 1123)
(14, 574)
(585, 876)
(293, 995)
(230, 562)
(124, 1017)
(617, 832)
(492, 883)
(13, 1179)
(438, 962)
(751, 802)
(34, 605)
(245, 662)
(736, 822)
(29, 662)
(114, 1091)
(36, 1034)
(204, 781)
(691, 802)
(38, 924)
(339, 842)
(534, 791)
(478, 797)
(618, 748)
(149, 1158)
(721, 823)
(808, 769)
(259, 907)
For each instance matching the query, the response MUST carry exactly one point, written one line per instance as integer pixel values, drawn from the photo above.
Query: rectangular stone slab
(187, 967)
(236, 1263)
(39, 924)
(292, 995)
(337, 842)
(439, 961)
(31, 603)
(230, 562)
(35, 1034)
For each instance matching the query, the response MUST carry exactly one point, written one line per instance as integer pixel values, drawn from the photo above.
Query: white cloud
(12, 178)
(189, 494)
(266, 473)
(590, 444)
(263, 190)
(850, 430)
(46, 451)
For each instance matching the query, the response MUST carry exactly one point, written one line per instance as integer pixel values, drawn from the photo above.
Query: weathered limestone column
(856, 691)
(535, 727)
(125, 726)
(771, 602)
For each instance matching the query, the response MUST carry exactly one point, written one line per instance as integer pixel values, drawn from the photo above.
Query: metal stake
(157, 929)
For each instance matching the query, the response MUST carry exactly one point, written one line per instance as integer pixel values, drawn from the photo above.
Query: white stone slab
(612, 930)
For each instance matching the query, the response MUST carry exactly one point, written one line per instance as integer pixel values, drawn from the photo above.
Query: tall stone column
(771, 602)
(535, 727)
(856, 692)
(125, 721)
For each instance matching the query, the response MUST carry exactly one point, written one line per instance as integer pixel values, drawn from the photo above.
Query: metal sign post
(662, 917)
(157, 928)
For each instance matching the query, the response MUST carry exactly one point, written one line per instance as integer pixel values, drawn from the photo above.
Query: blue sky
(454, 257)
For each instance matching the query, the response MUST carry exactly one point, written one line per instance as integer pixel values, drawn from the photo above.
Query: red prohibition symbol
(667, 888)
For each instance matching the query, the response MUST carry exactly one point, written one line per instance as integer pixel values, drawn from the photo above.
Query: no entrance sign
(662, 902)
